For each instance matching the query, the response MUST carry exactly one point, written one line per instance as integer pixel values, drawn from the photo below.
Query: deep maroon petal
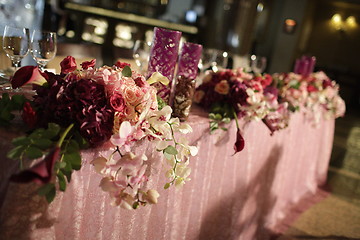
(240, 143)
(40, 173)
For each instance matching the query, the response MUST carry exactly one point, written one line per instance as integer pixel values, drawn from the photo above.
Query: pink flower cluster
(316, 95)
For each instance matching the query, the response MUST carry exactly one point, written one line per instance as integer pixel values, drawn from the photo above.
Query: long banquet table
(229, 197)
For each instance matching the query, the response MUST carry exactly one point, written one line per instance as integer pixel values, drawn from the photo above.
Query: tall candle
(185, 81)
(163, 57)
(297, 66)
(312, 62)
(189, 60)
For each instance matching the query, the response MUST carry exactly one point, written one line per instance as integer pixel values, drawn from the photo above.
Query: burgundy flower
(140, 81)
(88, 64)
(27, 75)
(29, 115)
(68, 65)
(121, 64)
(41, 172)
(240, 143)
(238, 95)
(327, 83)
(117, 102)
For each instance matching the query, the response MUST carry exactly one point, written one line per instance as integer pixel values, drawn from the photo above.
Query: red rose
(87, 64)
(68, 65)
(311, 88)
(117, 102)
(28, 75)
(266, 80)
(121, 64)
(29, 115)
(41, 172)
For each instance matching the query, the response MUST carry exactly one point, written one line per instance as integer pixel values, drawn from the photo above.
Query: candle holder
(185, 81)
(163, 58)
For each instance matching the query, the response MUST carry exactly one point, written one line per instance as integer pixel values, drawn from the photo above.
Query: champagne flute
(141, 53)
(43, 47)
(16, 44)
(258, 64)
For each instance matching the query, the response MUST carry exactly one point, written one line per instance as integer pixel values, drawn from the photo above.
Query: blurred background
(279, 30)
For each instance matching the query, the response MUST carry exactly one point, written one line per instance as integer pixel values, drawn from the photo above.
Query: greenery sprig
(8, 106)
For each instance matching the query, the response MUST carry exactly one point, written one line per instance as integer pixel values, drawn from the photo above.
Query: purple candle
(297, 66)
(189, 60)
(312, 62)
(163, 57)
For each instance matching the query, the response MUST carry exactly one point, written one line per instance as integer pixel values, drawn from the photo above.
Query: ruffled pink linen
(229, 197)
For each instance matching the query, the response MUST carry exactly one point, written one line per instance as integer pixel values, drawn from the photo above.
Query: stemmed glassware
(141, 53)
(16, 44)
(43, 47)
(257, 64)
(214, 58)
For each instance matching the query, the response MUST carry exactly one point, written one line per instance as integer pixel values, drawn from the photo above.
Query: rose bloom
(117, 102)
(133, 94)
(222, 87)
(198, 96)
(68, 65)
(88, 64)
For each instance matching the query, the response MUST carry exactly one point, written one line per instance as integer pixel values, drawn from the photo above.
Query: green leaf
(16, 152)
(43, 190)
(51, 194)
(60, 165)
(21, 141)
(167, 185)
(226, 120)
(66, 173)
(17, 101)
(6, 114)
(74, 159)
(218, 116)
(170, 150)
(43, 143)
(52, 131)
(161, 103)
(33, 152)
(62, 181)
(126, 72)
(72, 147)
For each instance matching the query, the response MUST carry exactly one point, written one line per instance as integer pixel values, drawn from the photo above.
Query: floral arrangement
(229, 94)
(316, 95)
(110, 108)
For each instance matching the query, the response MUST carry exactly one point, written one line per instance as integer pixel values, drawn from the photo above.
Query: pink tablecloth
(229, 197)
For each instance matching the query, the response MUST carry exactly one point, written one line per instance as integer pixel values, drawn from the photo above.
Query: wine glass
(16, 44)
(220, 60)
(43, 47)
(257, 64)
(141, 53)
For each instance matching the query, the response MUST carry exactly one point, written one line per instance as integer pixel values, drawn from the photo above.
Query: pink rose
(68, 65)
(88, 64)
(198, 96)
(28, 75)
(132, 94)
(117, 102)
(222, 87)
